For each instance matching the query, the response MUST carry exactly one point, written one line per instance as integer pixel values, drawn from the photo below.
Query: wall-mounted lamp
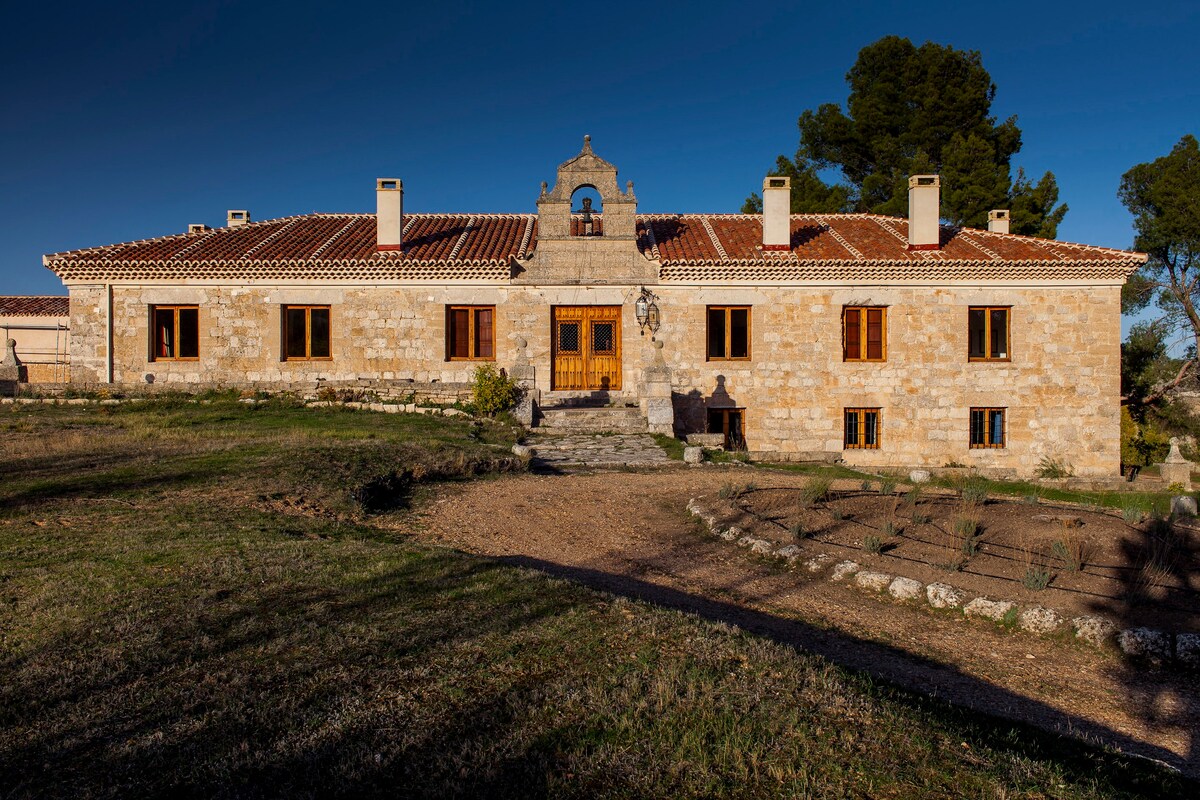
(646, 310)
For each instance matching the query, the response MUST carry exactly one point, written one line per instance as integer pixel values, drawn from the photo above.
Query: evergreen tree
(1164, 197)
(916, 110)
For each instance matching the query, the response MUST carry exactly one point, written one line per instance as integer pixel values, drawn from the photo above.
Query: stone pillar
(525, 374)
(656, 395)
(11, 370)
(1176, 469)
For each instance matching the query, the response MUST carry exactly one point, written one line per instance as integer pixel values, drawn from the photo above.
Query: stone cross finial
(1175, 457)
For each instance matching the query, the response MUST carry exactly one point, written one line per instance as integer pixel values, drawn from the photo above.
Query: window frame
(726, 415)
(987, 412)
(860, 414)
(472, 323)
(987, 333)
(174, 308)
(283, 330)
(862, 338)
(708, 356)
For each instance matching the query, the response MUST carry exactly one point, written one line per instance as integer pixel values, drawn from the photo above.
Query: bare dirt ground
(629, 533)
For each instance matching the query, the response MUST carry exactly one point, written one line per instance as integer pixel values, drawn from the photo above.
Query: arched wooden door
(586, 347)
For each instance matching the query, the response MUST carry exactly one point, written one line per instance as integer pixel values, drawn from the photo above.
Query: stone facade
(1059, 388)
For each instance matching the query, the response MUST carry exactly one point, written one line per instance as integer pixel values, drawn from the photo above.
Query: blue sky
(128, 121)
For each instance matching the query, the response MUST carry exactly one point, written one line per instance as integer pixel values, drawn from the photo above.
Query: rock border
(1144, 644)
(385, 408)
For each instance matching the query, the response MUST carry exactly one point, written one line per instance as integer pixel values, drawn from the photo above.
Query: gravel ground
(629, 533)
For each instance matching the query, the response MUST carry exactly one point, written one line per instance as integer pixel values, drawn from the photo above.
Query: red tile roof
(33, 306)
(484, 247)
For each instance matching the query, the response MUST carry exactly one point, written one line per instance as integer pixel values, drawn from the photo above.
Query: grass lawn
(195, 602)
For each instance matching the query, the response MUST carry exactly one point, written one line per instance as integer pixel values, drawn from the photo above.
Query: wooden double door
(586, 347)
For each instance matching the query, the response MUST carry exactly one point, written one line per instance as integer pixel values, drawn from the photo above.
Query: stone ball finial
(658, 344)
(521, 342)
(1175, 457)
(11, 344)
(587, 138)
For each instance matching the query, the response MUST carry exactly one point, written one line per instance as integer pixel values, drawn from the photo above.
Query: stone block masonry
(1058, 389)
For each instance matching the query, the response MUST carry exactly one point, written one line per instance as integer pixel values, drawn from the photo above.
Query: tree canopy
(1164, 197)
(916, 110)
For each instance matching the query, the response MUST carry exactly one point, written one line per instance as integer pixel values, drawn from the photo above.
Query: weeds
(1054, 468)
(735, 491)
(837, 514)
(966, 529)
(1072, 549)
(1131, 513)
(1036, 575)
(1036, 578)
(866, 486)
(913, 496)
(799, 532)
(920, 518)
(872, 544)
(1031, 499)
(890, 529)
(887, 486)
(974, 490)
(816, 490)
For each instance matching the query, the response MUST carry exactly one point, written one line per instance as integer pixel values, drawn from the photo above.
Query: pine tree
(916, 110)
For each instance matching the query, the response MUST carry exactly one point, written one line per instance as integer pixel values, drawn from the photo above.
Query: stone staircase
(583, 419)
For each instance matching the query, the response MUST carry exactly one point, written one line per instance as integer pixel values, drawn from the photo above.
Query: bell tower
(587, 246)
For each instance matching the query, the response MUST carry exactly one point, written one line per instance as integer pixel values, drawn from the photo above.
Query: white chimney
(389, 214)
(236, 219)
(998, 220)
(924, 211)
(777, 213)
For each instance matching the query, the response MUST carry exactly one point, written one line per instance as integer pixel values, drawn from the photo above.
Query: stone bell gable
(572, 250)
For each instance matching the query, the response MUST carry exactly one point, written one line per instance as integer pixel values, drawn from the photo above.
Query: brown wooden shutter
(875, 333)
(850, 345)
(484, 334)
(460, 340)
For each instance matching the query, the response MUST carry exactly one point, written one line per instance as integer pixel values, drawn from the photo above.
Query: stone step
(594, 420)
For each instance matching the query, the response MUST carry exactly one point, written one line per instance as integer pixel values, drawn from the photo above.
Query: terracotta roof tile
(34, 306)
(473, 246)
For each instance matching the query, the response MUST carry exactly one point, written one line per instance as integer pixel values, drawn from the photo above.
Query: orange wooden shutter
(484, 334)
(874, 333)
(851, 345)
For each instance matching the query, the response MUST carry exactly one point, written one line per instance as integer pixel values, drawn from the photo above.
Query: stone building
(883, 341)
(38, 326)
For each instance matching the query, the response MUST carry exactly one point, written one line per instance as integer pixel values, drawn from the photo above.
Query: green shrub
(887, 485)
(1142, 444)
(493, 391)
(815, 491)
(974, 490)
(1036, 578)
(872, 544)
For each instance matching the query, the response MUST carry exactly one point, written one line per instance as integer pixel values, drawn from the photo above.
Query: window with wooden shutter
(987, 428)
(470, 333)
(174, 333)
(864, 333)
(988, 333)
(861, 429)
(307, 333)
(728, 333)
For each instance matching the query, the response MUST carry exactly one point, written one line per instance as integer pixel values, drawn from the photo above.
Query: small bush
(1036, 578)
(730, 491)
(1131, 513)
(1072, 550)
(866, 486)
(913, 496)
(837, 514)
(1031, 499)
(887, 486)
(974, 490)
(799, 532)
(890, 530)
(872, 544)
(1054, 468)
(815, 491)
(921, 518)
(492, 391)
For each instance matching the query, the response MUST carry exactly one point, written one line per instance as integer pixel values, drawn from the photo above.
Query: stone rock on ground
(905, 589)
(843, 570)
(732, 534)
(791, 552)
(1145, 643)
(1183, 506)
(919, 476)
(942, 595)
(1040, 620)
(817, 562)
(693, 455)
(760, 546)
(872, 581)
(1094, 630)
(521, 451)
(989, 609)
(1187, 648)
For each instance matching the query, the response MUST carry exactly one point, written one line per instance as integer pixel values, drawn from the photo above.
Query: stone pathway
(598, 450)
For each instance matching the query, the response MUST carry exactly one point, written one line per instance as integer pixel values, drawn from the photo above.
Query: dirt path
(629, 533)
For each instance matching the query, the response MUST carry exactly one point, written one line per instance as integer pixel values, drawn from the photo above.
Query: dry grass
(168, 630)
